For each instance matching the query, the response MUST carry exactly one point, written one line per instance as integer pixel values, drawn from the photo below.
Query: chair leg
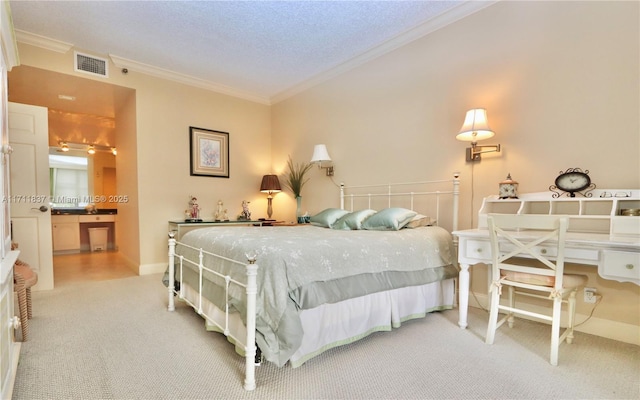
(512, 304)
(29, 306)
(493, 316)
(24, 320)
(572, 314)
(555, 330)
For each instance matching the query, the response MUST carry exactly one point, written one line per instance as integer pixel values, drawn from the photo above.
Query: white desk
(617, 258)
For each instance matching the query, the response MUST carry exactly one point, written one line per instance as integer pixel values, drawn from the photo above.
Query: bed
(286, 294)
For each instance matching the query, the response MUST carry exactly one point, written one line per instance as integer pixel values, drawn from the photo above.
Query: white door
(29, 193)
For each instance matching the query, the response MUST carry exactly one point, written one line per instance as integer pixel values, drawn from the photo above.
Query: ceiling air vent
(91, 65)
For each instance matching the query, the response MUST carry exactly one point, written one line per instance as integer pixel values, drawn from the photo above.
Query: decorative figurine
(193, 210)
(221, 213)
(245, 215)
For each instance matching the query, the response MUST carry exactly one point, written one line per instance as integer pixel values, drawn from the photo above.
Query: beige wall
(152, 135)
(559, 80)
(560, 84)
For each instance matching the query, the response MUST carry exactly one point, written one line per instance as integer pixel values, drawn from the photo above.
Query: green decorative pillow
(352, 221)
(389, 219)
(328, 217)
(420, 220)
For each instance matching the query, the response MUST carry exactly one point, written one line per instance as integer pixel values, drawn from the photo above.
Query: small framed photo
(209, 152)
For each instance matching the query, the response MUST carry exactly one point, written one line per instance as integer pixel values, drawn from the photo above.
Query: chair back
(514, 237)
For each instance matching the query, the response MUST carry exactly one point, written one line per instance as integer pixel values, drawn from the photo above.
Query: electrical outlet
(590, 295)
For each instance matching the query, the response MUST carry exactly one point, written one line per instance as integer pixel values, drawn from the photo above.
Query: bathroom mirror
(78, 179)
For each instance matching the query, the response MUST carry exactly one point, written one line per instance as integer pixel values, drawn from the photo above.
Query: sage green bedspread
(305, 266)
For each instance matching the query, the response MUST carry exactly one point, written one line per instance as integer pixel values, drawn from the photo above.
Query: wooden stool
(24, 277)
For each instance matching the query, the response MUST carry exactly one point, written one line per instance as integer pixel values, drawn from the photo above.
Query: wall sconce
(89, 148)
(270, 184)
(474, 128)
(320, 155)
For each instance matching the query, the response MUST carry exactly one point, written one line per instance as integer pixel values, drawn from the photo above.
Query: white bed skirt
(332, 325)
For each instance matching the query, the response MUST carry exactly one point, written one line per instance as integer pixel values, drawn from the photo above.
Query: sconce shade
(270, 184)
(475, 126)
(320, 154)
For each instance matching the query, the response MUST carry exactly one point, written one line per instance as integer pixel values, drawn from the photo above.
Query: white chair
(518, 237)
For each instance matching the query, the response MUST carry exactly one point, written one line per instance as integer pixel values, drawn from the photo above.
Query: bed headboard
(437, 199)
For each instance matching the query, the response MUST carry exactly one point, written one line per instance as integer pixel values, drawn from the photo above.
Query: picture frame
(209, 152)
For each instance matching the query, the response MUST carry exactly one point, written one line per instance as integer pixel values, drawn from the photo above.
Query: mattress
(303, 268)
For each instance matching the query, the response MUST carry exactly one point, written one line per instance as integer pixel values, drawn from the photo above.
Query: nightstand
(181, 226)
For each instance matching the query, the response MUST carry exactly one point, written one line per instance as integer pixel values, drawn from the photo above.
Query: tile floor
(89, 266)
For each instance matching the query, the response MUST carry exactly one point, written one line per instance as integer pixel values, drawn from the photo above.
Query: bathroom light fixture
(270, 184)
(66, 97)
(320, 155)
(474, 128)
(90, 148)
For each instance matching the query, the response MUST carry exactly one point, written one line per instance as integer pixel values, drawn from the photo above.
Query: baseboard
(148, 269)
(606, 328)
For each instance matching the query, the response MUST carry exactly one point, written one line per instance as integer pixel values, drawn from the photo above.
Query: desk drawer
(620, 265)
(482, 250)
(576, 255)
(477, 249)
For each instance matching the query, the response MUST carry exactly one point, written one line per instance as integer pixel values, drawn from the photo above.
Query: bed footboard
(251, 288)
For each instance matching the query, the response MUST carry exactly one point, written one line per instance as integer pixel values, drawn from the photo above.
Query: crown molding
(461, 11)
(43, 42)
(132, 65)
(120, 62)
(7, 38)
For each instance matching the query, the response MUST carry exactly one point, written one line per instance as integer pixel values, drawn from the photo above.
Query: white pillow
(389, 219)
(327, 217)
(420, 220)
(352, 221)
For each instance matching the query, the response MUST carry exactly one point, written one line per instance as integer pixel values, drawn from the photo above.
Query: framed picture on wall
(209, 152)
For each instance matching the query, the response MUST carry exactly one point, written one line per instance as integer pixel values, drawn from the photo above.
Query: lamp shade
(475, 126)
(270, 184)
(320, 154)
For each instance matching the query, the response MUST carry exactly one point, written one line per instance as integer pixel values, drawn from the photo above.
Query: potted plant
(295, 180)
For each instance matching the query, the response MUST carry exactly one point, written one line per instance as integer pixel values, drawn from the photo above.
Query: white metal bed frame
(251, 267)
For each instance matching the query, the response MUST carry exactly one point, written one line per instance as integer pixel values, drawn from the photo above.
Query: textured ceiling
(258, 49)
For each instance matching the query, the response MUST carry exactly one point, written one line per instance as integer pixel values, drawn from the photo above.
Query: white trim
(42, 42)
(454, 14)
(464, 9)
(7, 38)
(148, 269)
(132, 65)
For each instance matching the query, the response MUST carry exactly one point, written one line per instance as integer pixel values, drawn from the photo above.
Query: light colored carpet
(116, 340)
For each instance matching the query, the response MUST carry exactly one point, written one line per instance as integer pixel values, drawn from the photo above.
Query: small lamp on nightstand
(270, 184)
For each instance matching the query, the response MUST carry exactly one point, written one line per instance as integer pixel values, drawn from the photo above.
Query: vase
(299, 217)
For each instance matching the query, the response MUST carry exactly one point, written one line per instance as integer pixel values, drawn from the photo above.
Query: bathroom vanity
(70, 229)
